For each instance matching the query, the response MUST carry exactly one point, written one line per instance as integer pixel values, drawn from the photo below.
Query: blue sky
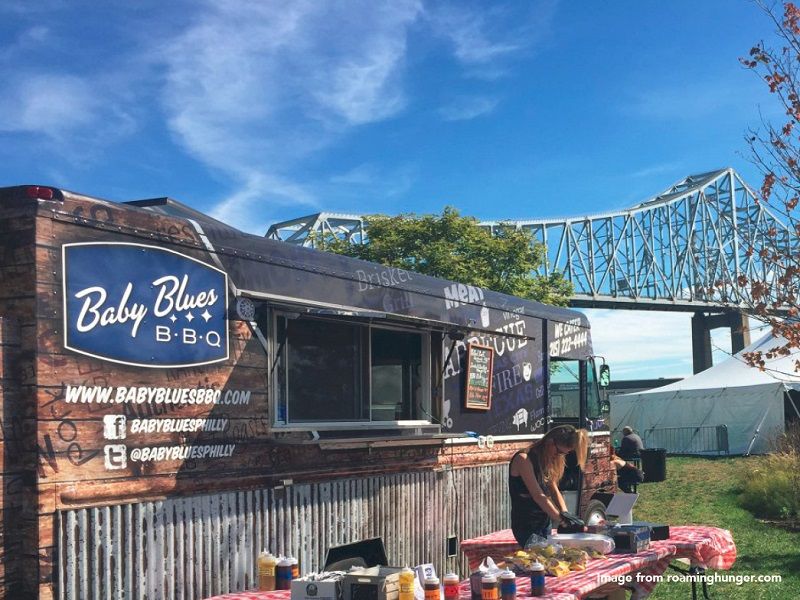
(259, 112)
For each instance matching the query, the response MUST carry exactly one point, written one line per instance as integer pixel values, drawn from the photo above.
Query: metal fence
(199, 546)
(688, 440)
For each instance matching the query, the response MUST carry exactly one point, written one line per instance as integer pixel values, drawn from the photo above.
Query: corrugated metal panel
(190, 548)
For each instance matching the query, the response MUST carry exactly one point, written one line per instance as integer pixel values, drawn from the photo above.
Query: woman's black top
(527, 517)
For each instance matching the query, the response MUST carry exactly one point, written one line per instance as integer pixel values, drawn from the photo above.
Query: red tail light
(39, 193)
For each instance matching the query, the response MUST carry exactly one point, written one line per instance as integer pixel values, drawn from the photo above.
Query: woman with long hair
(533, 477)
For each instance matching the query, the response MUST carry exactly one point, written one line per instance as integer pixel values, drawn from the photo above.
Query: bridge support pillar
(702, 325)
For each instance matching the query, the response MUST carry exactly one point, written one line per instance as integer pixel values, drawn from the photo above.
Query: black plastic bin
(654, 464)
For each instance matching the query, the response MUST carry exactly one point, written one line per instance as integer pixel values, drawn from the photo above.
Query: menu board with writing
(479, 377)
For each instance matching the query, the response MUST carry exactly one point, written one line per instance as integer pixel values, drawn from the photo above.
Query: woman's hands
(571, 521)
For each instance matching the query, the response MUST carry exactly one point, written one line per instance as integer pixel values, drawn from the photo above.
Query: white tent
(687, 416)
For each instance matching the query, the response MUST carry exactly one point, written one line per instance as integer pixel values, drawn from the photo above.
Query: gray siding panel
(195, 547)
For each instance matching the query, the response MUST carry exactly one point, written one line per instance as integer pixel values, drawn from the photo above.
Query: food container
(302, 589)
(657, 531)
(631, 538)
(373, 583)
(590, 541)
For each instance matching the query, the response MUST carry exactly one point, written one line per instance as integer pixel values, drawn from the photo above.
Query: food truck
(178, 395)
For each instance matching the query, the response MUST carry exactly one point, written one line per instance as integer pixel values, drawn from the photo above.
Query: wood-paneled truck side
(20, 532)
(178, 395)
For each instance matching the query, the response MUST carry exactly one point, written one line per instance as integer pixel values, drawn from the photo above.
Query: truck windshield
(565, 389)
(568, 377)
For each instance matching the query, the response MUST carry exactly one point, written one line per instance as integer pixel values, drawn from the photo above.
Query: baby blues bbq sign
(142, 305)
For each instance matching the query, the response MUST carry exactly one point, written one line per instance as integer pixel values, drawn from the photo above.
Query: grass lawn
(704, 491)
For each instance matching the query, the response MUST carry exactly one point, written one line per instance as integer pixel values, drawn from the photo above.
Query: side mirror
(605, 376)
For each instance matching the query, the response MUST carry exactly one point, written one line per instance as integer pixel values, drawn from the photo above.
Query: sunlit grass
(705, 491)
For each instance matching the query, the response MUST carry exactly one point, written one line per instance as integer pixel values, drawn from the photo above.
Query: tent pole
(757, 432)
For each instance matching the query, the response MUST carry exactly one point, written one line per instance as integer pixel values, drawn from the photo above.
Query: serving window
(335, 372)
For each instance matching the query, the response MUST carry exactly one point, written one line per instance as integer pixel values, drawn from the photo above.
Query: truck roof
(226, 237)
(246, 258)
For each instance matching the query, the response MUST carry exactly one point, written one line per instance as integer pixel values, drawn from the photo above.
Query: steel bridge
(683, 250)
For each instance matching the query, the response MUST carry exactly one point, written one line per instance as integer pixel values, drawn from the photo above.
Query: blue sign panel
(143, 305)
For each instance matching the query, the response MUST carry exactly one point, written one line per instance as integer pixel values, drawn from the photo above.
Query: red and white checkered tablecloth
(573, 586)
(496, 544)
(579, 584)
(276, 595)
(465, 593)
(707, 547)
(523, 589)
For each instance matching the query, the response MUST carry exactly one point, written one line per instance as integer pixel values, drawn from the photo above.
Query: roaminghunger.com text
(708, 578)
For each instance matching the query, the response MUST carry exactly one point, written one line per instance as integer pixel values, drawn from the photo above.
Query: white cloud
(258, 189)
(47, 103)
(379, 183)
(465, 108)
(483, 38)
(253, 89)
(58, 106)
(685, 101)
(659, 169)
(643, 344)
(467, 31)
(27, 40)
(363, 174)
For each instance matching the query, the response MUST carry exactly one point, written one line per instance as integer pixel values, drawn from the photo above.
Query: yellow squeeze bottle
(406, 578)
(266, 571)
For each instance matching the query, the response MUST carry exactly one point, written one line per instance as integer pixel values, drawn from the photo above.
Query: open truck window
(338, 372)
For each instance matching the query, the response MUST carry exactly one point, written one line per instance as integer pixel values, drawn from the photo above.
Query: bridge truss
(684, 249)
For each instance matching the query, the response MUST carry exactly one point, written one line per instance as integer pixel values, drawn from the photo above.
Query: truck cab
(574, 399)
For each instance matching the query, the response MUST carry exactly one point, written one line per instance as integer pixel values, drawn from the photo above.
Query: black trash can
(654, 464)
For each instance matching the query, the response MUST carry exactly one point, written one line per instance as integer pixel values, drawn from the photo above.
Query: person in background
(630, 445)
(533, 477)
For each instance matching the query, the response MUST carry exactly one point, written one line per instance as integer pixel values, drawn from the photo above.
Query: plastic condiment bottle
(406, 578)
(295, 567)
(508, 585)
(283, 574)
(489, 587)
(432, 591)
(450, 581)
(266, 571)
(537, 579)
(261, 569)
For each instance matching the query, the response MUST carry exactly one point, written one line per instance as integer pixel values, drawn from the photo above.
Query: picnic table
(704, 547)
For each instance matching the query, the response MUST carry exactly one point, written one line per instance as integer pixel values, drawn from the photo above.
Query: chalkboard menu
(479, 377)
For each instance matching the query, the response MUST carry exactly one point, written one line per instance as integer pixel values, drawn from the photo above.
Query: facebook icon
(114, 427)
